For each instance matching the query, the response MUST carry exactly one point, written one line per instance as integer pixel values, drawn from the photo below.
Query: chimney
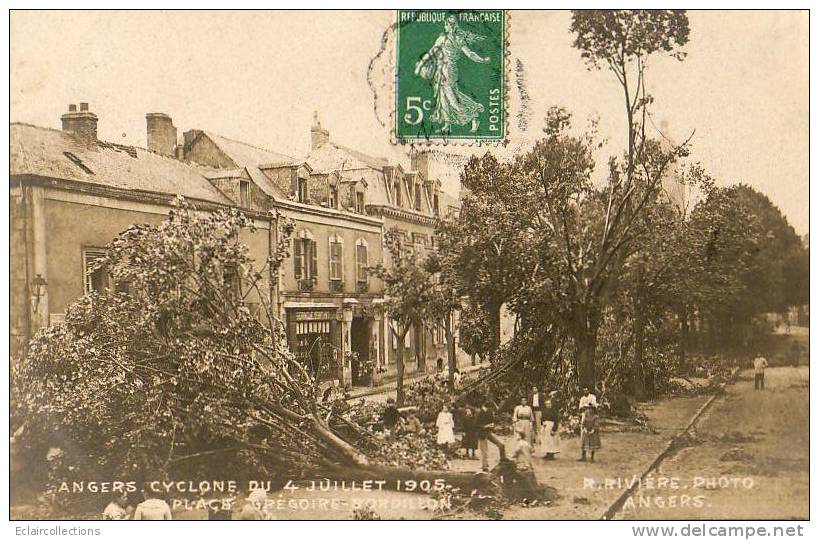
(81, 124)
(318, 135)
(419, 161)
(161, 134)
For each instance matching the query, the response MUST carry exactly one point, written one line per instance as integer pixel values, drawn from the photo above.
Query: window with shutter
(302, 195)
(95, 279)
(361, 262)
(313, 260)
(298, 257)
(244, 194)
(332, 200)
(336, 251)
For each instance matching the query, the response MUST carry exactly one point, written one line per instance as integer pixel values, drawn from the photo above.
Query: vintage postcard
(417, 264)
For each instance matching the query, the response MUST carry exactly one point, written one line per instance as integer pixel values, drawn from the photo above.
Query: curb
(620, 501)
(390, 386)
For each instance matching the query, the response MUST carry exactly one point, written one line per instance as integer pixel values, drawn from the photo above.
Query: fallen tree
(180, 368)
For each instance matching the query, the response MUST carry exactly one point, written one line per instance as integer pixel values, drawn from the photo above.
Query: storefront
(314, 336)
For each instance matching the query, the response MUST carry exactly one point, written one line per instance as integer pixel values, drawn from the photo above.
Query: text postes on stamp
(450, 75)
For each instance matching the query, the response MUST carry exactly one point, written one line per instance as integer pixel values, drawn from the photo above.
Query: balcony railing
(336, 285)
(307, 284)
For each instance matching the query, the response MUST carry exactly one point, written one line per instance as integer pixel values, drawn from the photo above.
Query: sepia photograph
(409, 264)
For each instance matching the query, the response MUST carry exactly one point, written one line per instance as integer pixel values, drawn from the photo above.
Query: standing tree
(621, 41)
(486, 242)
(408, 291)
(445, 303)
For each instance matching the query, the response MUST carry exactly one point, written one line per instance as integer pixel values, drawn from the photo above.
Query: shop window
(314, 349)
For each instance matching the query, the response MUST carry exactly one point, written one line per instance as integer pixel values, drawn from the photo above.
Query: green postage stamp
(450, 80)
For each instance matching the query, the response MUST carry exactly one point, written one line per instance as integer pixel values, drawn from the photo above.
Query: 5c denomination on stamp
(450, 75)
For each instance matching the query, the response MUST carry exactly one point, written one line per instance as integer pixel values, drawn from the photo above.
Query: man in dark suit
(537, 401)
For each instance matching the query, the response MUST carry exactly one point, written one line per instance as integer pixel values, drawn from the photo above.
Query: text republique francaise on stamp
(450, 76)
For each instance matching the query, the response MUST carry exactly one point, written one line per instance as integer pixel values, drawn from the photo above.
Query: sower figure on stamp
(440, 64)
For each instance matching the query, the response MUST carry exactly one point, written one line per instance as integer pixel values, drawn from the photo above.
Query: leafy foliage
(186, 372)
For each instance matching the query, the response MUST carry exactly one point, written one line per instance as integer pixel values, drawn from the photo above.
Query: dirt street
(746, 459)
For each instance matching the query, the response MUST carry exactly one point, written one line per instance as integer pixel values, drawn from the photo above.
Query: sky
(259, 76)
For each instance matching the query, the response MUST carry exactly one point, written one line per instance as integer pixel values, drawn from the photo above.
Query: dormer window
(301, 191)
(418, 197)
(397, 191)
(435, 207)
(332, 200)
(359, 202)
(244, 194)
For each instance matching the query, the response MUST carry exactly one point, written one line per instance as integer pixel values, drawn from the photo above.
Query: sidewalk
(382, 390)
(586, 489)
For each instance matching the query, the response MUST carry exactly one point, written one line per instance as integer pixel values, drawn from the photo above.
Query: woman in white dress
(522, 418)
(446, 427)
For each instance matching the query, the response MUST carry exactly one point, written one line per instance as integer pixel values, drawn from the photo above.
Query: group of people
(152, 508)
(535, 421)
(251, 507)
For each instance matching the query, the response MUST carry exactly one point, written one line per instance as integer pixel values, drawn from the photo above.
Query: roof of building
(331, 157)
(54, 153)
(243, 154)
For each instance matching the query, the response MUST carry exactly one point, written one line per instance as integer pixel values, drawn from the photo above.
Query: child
(116, 509)
(413, 424)
(589, 434)
(446, 427)
(470, 441)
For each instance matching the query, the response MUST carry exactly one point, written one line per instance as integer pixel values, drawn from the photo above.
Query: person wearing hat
(589, 433)
(548, 431)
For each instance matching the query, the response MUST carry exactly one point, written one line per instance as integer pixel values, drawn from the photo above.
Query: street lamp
(38, 290)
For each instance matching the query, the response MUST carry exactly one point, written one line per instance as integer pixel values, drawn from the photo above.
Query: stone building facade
(71, 194)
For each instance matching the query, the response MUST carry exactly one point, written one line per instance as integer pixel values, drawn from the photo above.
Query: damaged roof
(54, 153)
